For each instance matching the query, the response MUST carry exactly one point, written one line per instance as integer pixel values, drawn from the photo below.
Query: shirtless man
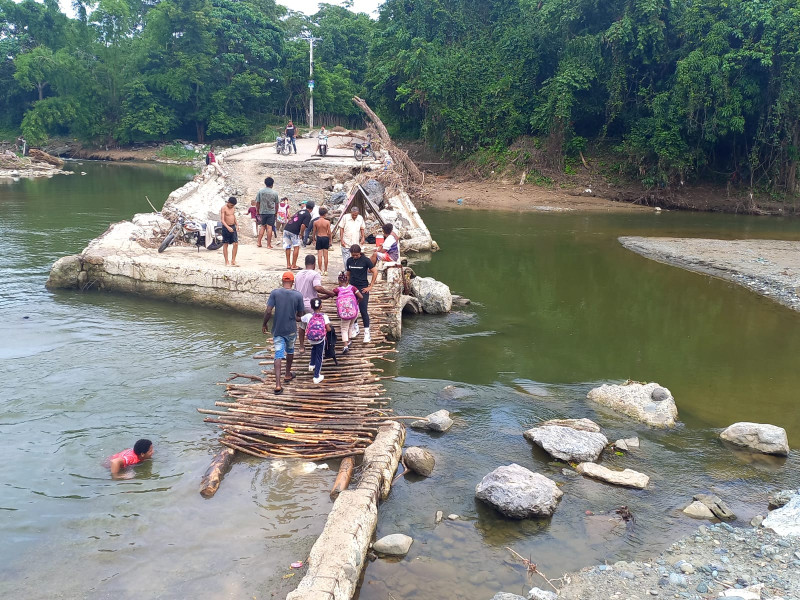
(322, 234)
(229, 233)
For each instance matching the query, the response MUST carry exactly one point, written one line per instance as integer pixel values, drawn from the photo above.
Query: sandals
(277, 391)
(292, 375)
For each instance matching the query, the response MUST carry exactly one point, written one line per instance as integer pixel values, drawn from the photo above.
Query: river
(558, 307)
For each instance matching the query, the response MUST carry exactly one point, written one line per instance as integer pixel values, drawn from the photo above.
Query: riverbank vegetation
(677, 90)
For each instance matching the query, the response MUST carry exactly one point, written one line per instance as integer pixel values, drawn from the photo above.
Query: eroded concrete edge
(339, 554)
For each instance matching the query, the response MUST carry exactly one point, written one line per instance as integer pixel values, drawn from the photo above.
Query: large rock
(64, 273)
(396, 544)
(518, 492)
(579, 424)
(785, 520)
(626, 478)
(419, 460)
(437, 421)
(434, 295)
(768, 439)
(649, 403)
(571, 445)
(780, 498)
(716, 505)
(698, 510)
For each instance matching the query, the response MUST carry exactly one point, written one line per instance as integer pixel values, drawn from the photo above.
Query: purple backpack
(346, 303)
(315, 330)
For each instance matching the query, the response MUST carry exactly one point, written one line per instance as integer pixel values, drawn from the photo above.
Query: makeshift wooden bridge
(337, 418)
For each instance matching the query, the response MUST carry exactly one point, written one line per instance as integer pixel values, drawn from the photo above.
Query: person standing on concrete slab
(267, 201)
(309, 283)
(230, 234)
(293, 233)
(353, 232)
(288, 307)
(358, 268)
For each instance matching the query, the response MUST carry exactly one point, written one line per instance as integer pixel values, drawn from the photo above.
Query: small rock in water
(716, 505)
(419, 460)
(756, 521)
(439, 516)
(436, 421)
(768, 439)
(396, 544)
(780, 499)
(698, 510)
(453, 517)
(627, 444)
(627, 478)
(507, 596)
(518, 492)
(540, 594)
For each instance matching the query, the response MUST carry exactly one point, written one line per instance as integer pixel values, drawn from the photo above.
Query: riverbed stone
(436, 421)
(540, 594)
(434, 295)
(626, 478)
(565, 443)
(768, 439)
(717, 506)
(636, 400)
(627, 444)
(396, 544)
(518, 492)
(64, 273)
(780, 498)
(419, 460)
(785, 521)
(698, 510)
(507, 596)
(579, 424)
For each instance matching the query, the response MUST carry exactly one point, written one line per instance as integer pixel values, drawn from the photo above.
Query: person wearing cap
(293, 233)
(287, 305)
(353, 229)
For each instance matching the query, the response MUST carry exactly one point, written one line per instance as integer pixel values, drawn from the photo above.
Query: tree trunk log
(344, 476)
(215, 472)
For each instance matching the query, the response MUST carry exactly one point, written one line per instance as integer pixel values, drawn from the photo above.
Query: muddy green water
(558, 307)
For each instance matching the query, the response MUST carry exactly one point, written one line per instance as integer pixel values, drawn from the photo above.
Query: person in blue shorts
(288, 307)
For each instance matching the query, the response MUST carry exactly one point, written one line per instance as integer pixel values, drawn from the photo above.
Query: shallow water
(558, 306)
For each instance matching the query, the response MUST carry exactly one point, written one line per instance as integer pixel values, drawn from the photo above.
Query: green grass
(176, 152)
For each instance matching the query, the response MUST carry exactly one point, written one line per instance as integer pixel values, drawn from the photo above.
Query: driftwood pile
(337, 418)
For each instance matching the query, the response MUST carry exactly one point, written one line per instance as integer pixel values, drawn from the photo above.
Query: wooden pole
(344, 476)
(216, 471)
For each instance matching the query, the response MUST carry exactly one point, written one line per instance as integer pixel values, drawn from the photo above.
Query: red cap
(288, 276)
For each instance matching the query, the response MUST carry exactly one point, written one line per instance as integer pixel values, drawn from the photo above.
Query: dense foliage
(679, 88)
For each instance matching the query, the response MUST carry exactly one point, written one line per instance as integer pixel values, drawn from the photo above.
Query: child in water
(142, 450)
(317, 327)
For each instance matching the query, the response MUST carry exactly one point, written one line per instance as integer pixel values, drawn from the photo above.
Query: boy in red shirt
(142, 450)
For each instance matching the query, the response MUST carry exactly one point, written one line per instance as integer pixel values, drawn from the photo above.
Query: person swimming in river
(142, 450)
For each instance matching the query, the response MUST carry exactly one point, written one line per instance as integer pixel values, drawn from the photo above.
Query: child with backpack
(347, 298)
(317, 327)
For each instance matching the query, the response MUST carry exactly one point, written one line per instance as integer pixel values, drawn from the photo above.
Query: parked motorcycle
(194, 233)
(322, 143)
(364, 150)
(283, 145)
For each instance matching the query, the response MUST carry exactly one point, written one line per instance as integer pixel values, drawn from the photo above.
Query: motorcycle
(194, 233)
(322, 144)
(364, 150)
(283, 145)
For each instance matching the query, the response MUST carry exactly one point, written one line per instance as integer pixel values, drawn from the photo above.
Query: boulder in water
(419, 460)
(649, 403)
(396, 544)
(437, 421)
(564, 443)
(768, 439)
(579, 424)
(698, 510)
(716, 505)
(434, 295)
(626, 478)
(518, 492)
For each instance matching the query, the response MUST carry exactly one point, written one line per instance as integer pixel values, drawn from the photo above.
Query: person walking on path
(142, 450)
(211, 159)
(283, 214)
(358, 268)
(267, 200)
(309, 283)
(317, 324)
(347, 298)
(293, 233)
(291, 133)
(353, 232)
(322, 235)
(230, 235)
(287, 304)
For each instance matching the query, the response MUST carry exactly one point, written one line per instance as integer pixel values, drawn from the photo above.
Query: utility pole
(311, 39)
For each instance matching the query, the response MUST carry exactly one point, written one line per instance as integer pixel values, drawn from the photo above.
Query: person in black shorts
(358, 268)
(322, 234)
(229, 230)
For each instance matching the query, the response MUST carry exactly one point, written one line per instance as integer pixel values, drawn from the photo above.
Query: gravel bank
(768, 267)
(716, 559)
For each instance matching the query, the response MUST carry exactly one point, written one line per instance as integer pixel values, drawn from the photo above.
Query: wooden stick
(344, 476)
(216, 471)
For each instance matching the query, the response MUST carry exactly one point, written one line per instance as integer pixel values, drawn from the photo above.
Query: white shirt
(351, 229)
(307, 317)
(315, 212)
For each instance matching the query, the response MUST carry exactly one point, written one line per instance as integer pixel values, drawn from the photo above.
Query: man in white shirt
(314, 217)
(353, 232)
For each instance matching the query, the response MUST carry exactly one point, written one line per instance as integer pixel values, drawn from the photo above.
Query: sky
(308, 7)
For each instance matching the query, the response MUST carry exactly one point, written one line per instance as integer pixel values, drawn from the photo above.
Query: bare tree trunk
(386, 142)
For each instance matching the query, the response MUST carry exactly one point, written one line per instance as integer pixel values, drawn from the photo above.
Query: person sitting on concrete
(142, 450)
(389, 250)
(211, 159)
(288, 307)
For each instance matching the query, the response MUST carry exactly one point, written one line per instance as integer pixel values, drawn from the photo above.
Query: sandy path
(768, 267)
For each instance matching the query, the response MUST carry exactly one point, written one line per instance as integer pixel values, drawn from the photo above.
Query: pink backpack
(346, 303)
(315, 330)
